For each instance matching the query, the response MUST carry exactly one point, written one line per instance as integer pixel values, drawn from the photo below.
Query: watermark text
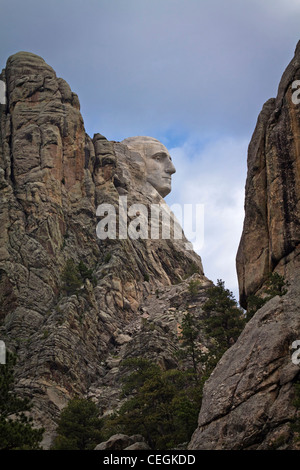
(2, 352)
(296, 354)
(296, 93)
(2, 92)
(159, 221)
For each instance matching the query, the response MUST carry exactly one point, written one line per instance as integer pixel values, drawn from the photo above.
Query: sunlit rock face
(53, 178)
(158, 162)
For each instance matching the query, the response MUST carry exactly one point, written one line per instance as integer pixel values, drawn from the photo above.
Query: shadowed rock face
(53, 177)
(248, 400)
(272, 204)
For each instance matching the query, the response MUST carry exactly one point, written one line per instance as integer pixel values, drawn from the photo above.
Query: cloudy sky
(192, 73)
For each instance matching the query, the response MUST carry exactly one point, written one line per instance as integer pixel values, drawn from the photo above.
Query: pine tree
(188, 341)
(79, 427)
(16, 431)
(224, 319)
(71, 278)
(163, 406)
(275, 285)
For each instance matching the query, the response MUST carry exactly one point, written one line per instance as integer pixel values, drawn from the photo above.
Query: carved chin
(162, 190)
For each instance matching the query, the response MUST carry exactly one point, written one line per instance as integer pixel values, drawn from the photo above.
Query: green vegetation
(45, 334)
(16, 430)
(189, 346)
(192, 269)
(194, 286)
(295, 426)
(74, 275)
(224, 319)
(107, 257)
(275, 285)
(71, 278)
(163, 407)
(84, 272)
(254, 303)
(79, 427)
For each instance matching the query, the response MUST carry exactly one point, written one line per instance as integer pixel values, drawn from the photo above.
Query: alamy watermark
(2, 352)
(2, 92)
(158, 221)
(296, 94)
(296, 354)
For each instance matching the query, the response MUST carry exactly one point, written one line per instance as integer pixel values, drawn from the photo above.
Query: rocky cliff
(271, 231)
(248, 400)
(53, 177)
(73, 304)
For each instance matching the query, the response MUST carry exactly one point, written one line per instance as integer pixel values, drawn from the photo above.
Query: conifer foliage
(162, 405)
(16, 430)
(224, 319)
(79, 427)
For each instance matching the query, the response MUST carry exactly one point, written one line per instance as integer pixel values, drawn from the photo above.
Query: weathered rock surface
(53, 177)
(153, 335)
(248, 400)
(123, 442)
(272, 205)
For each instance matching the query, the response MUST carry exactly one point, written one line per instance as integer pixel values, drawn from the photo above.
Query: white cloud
(214, 175)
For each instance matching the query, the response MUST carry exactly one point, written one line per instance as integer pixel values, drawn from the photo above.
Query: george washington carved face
(159, 166)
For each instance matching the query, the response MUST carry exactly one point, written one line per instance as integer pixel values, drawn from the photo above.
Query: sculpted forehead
(148, 146)
(153, 148)
(159, 166)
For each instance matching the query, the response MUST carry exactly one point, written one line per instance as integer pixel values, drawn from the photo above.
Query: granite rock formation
(248, 400)
(271, 231)
(53, 177)
(132, 294)
(123, 442)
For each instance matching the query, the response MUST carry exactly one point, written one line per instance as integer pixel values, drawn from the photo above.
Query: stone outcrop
(272, 205)
(132, 294)
(248, 400)
(53, 177)
(152, 334)
(123, 442)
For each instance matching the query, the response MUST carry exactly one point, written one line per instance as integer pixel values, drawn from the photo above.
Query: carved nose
(171, 168)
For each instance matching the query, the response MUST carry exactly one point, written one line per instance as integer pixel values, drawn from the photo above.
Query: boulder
(123, 442)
